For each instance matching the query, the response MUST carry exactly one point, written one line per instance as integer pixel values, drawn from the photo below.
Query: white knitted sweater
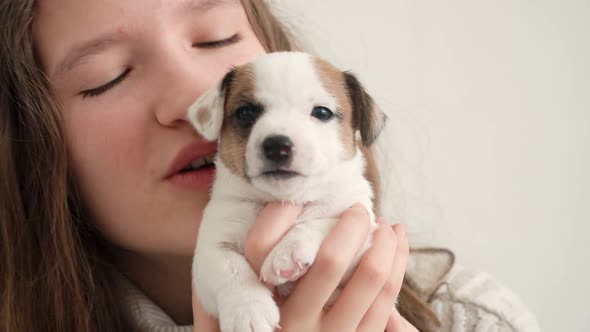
(463, 300)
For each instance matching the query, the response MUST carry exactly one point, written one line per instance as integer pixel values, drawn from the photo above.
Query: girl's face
(125, 72)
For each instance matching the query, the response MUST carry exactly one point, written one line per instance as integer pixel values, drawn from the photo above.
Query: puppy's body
(281, 146)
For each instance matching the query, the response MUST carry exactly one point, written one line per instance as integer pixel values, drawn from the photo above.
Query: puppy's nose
(277, 148)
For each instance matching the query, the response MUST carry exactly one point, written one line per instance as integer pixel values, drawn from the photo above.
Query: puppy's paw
(251, 311)
(291, 257)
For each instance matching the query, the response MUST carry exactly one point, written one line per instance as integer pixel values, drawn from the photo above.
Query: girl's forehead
(61, 27)
(64, 30)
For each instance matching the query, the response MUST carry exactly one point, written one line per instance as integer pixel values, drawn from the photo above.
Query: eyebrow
(203, 5)
(87, 48)
(103, 42)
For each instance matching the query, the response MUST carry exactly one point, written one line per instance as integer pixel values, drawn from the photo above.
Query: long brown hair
(55, 274)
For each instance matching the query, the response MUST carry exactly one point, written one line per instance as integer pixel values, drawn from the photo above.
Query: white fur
(227, 286)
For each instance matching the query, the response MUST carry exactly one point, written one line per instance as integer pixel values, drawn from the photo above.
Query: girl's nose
(184, 77)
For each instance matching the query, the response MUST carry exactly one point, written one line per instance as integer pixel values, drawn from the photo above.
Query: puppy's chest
(322, 209)
(239, 220)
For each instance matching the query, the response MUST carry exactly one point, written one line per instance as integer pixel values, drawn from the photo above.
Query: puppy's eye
(247, 115)
(322, 113)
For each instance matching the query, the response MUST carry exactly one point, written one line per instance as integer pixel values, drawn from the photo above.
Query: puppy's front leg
(229, 288)
(293, 255)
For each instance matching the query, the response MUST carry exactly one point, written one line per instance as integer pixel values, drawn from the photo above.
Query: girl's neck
(165, 279)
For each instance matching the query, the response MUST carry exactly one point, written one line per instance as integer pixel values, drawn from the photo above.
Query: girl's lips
(189, 153)
(196, 180)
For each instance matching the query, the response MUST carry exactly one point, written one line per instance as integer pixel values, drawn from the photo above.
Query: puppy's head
(286, 121)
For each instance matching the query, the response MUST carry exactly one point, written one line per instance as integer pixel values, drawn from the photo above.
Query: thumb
(272, 223)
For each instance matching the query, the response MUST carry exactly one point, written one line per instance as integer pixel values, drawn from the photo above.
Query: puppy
(290, 127)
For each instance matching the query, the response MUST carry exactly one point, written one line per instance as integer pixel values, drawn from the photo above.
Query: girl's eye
(219, 43)
(210, 44)
(103, 88)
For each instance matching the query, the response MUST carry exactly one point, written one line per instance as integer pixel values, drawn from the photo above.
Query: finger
(271, 225)
(202, 320)
(397, 323)
(336, 253)
(401, 258)
(372, 273)
(378, 314)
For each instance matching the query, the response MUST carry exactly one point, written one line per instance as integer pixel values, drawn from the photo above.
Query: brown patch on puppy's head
(239, 87)
(333, 81)
(356, 106)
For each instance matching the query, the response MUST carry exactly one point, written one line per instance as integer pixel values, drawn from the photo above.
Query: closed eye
(219, 43)
(103, 88)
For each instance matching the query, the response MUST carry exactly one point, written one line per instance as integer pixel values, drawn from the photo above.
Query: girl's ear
(206, 114)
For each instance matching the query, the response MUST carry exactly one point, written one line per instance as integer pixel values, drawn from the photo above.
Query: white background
(489, 105)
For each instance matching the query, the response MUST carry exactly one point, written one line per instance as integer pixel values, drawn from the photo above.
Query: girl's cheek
(106, 136)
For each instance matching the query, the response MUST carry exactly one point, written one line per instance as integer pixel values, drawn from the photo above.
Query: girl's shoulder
(463, 299)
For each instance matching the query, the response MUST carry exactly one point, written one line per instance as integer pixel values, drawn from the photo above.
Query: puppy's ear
(367, 118)
(206, 114)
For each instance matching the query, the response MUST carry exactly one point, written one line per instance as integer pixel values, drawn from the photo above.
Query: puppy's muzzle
(278, 149)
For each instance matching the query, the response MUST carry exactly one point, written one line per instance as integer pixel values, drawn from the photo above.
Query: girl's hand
(367, 301)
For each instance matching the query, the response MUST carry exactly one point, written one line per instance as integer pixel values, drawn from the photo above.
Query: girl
(97, 234)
